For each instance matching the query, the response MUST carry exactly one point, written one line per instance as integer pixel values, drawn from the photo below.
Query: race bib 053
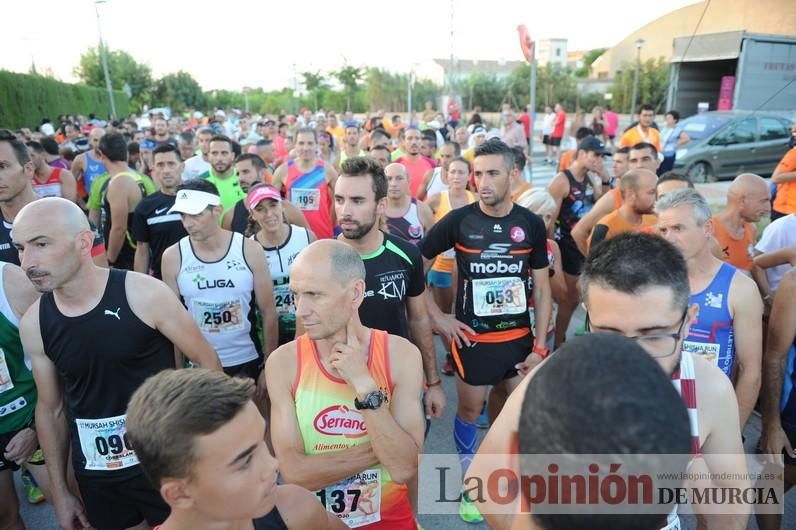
(499, 296)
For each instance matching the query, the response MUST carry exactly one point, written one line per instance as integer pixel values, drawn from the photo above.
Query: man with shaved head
(638, 200)
(93, 337)
(748, 200)
(727, 330)
(407, 218)
(345, 418)
(88, 166)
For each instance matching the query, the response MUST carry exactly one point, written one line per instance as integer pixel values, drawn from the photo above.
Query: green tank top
(228, 188)
(17, 388)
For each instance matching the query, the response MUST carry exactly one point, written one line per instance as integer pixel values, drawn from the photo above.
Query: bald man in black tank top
(93, 338)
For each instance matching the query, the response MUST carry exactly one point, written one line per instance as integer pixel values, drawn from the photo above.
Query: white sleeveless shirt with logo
(218, 296)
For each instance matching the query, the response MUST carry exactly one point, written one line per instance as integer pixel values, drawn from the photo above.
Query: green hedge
(26, 99)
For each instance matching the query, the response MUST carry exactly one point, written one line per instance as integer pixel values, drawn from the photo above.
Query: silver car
(723, 144)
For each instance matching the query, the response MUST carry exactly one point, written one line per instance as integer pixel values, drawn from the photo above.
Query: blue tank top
(94, 168)
(788, 403)
(711, 335)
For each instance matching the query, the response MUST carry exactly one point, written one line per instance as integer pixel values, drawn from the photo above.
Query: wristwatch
(371, 402)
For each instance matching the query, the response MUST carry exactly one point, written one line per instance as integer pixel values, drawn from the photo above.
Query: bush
(26, 99)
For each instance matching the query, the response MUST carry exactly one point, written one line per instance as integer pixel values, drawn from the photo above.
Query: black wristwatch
(371, 402)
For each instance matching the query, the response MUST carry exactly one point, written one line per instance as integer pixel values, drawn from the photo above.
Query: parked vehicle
(723, 144)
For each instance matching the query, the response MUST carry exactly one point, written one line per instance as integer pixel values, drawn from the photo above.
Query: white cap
(193, 202)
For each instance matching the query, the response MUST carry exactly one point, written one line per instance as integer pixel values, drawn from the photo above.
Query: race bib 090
(104, 443)
(356, 500)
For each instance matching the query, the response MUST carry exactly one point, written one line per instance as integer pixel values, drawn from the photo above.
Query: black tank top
(240, 218)
(270, 521)
(575, 205)
(102, 357)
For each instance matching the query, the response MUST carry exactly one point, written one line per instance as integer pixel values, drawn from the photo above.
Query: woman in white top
(281, 242)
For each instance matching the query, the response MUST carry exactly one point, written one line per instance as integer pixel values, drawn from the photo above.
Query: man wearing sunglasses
(637, 285)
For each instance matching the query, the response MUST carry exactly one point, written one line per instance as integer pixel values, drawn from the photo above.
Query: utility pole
(639, 44)
(104, 59)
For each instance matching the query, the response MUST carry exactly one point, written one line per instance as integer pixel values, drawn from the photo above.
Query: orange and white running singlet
(329, 422)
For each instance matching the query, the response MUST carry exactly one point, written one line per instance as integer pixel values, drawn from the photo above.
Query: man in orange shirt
(644, 131)
(638, 200)
(785, 178)
(748, 199)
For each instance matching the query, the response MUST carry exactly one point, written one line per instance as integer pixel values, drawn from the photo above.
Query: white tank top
(219, 297)
(279, 261)
(436, 185)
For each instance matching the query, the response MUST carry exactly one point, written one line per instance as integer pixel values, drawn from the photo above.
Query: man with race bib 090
(93, 337)
(500, 247)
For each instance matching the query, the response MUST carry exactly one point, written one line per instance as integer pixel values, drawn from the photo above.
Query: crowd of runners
(227, 321)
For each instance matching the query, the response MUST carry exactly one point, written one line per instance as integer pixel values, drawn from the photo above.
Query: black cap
(591, 143)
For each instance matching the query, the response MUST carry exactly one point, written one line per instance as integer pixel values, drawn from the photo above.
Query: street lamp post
(639, 44)
(532, 110)
(104, 59)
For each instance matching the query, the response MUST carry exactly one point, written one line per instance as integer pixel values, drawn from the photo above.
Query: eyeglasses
(658, 345)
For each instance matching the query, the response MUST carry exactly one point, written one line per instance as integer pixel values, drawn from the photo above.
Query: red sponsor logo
(517, 234)
(339, 420)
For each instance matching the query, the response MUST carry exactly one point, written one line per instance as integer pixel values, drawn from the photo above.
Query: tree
(179, 91)
(122, 68)
(653, 82)
(314, 82)
(588, 59)
(349, 77)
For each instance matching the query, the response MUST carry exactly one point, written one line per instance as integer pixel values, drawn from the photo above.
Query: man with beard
(160, 133)
(501, 261)
(351, 146)
(308, 183)
(222, 172)
(394, 283)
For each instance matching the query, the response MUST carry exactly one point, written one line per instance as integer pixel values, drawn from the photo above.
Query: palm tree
(349, 77)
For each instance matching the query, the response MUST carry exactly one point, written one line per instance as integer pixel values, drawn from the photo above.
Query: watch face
(373, 400)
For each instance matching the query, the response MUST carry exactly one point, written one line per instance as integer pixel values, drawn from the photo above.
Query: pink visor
(260, 193)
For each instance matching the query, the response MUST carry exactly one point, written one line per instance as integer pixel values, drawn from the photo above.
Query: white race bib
(499, 296)
(6, 383)
(104, 443)
(218, 317)
(709, 351)
(306, 198)
(283, 300)
(356, 500)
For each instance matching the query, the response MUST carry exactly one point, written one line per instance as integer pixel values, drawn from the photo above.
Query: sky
(235, 43)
